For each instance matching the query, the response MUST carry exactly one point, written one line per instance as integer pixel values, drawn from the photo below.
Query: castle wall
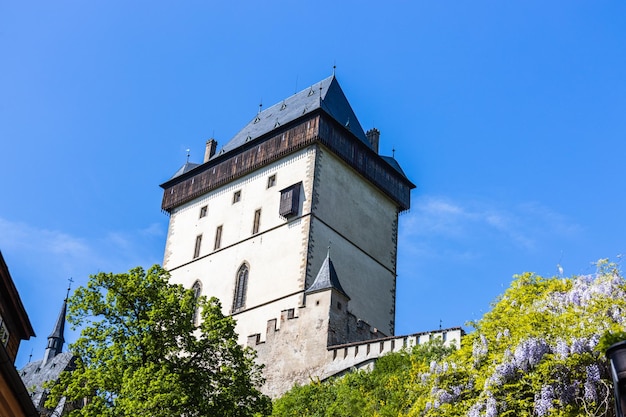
(361, 223)
(276, 255)
(295, 349)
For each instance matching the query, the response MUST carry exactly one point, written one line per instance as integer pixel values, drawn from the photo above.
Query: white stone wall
(276, 255)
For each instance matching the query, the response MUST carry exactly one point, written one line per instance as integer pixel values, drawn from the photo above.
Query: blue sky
(509, 117)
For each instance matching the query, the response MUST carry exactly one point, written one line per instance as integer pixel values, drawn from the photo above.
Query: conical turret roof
(326, 279)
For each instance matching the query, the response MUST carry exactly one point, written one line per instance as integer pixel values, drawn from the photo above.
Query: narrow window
(218, 238)
(241, 285)
(203, 211)
(197, 291)
(237, 196)
(196, 251)
(271, 181)
(290, 200)
(257, 222)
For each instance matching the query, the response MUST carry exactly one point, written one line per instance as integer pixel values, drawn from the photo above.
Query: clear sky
(509, 116)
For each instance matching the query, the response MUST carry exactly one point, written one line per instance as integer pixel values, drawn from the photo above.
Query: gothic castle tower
(252, 225)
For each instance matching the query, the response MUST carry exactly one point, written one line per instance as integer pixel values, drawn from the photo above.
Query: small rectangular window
(218, 238)
(203, 211)
(237, 196)
(257, 222)
(271, 181)
(290, 200)
(196, 251)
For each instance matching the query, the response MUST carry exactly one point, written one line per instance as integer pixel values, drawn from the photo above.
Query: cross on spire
(69, 286)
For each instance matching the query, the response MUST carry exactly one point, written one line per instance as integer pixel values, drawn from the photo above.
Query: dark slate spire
(326, 279)
(56, 339)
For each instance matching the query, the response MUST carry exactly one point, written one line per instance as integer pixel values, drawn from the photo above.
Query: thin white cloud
(41, 261)
(57, 249)
(439, 226)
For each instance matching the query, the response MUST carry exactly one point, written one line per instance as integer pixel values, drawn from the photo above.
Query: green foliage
(536, 353)
(141, 354)
(382, 392)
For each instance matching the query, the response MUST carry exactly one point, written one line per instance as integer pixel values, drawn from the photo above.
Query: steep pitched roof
(36, 374)
(326, 279)
(394, 164)
(326, 95)
(56, 338)
(185, 168)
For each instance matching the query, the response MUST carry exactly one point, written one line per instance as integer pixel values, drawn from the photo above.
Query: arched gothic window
(197, 291)
(241, 285)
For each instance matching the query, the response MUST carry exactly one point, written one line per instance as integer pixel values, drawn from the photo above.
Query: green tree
(143, 353)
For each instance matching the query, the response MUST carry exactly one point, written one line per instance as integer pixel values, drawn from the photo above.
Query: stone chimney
(211, 146)
(373, 135)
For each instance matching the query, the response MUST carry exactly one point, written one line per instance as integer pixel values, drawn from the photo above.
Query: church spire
(56, 339)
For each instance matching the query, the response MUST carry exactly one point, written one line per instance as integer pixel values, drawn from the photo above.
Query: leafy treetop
(142, 353)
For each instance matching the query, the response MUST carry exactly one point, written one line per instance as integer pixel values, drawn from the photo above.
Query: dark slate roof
(59, 327)
(185, 168)
(35, 374)
(394, 164)
(333, 101)
(326, 279)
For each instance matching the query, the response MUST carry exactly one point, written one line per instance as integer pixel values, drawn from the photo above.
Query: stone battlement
(298, 346)
(362, 355)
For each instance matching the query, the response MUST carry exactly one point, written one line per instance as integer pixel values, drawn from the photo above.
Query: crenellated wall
(323, 339)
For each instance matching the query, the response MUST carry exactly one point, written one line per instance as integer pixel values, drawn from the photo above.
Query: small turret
(326, 279)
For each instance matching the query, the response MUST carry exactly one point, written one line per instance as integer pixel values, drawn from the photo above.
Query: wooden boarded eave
(317, 127)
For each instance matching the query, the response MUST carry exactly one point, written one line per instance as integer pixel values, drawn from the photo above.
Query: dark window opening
(196, 250)
(237, 196)
(271, 181)
(218, 238)
(241, 285)
(257, 222)
(203, 211)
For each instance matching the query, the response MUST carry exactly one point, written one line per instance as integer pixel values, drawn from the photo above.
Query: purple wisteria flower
(591, 386)
(489, 405)
(561, 349)
(480, 349)
(504, 373)
(543, 400)
(530, 352)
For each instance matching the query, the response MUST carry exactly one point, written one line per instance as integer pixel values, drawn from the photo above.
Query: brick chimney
(373, 135)
(211, 146)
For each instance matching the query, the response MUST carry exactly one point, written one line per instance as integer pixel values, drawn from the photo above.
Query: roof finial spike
(440, 321)
(334, 67)
(260, 106)
(329, 244)
(69, 286)
(188, 154)
(320, 94)
(393, 152)
(30, 356)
